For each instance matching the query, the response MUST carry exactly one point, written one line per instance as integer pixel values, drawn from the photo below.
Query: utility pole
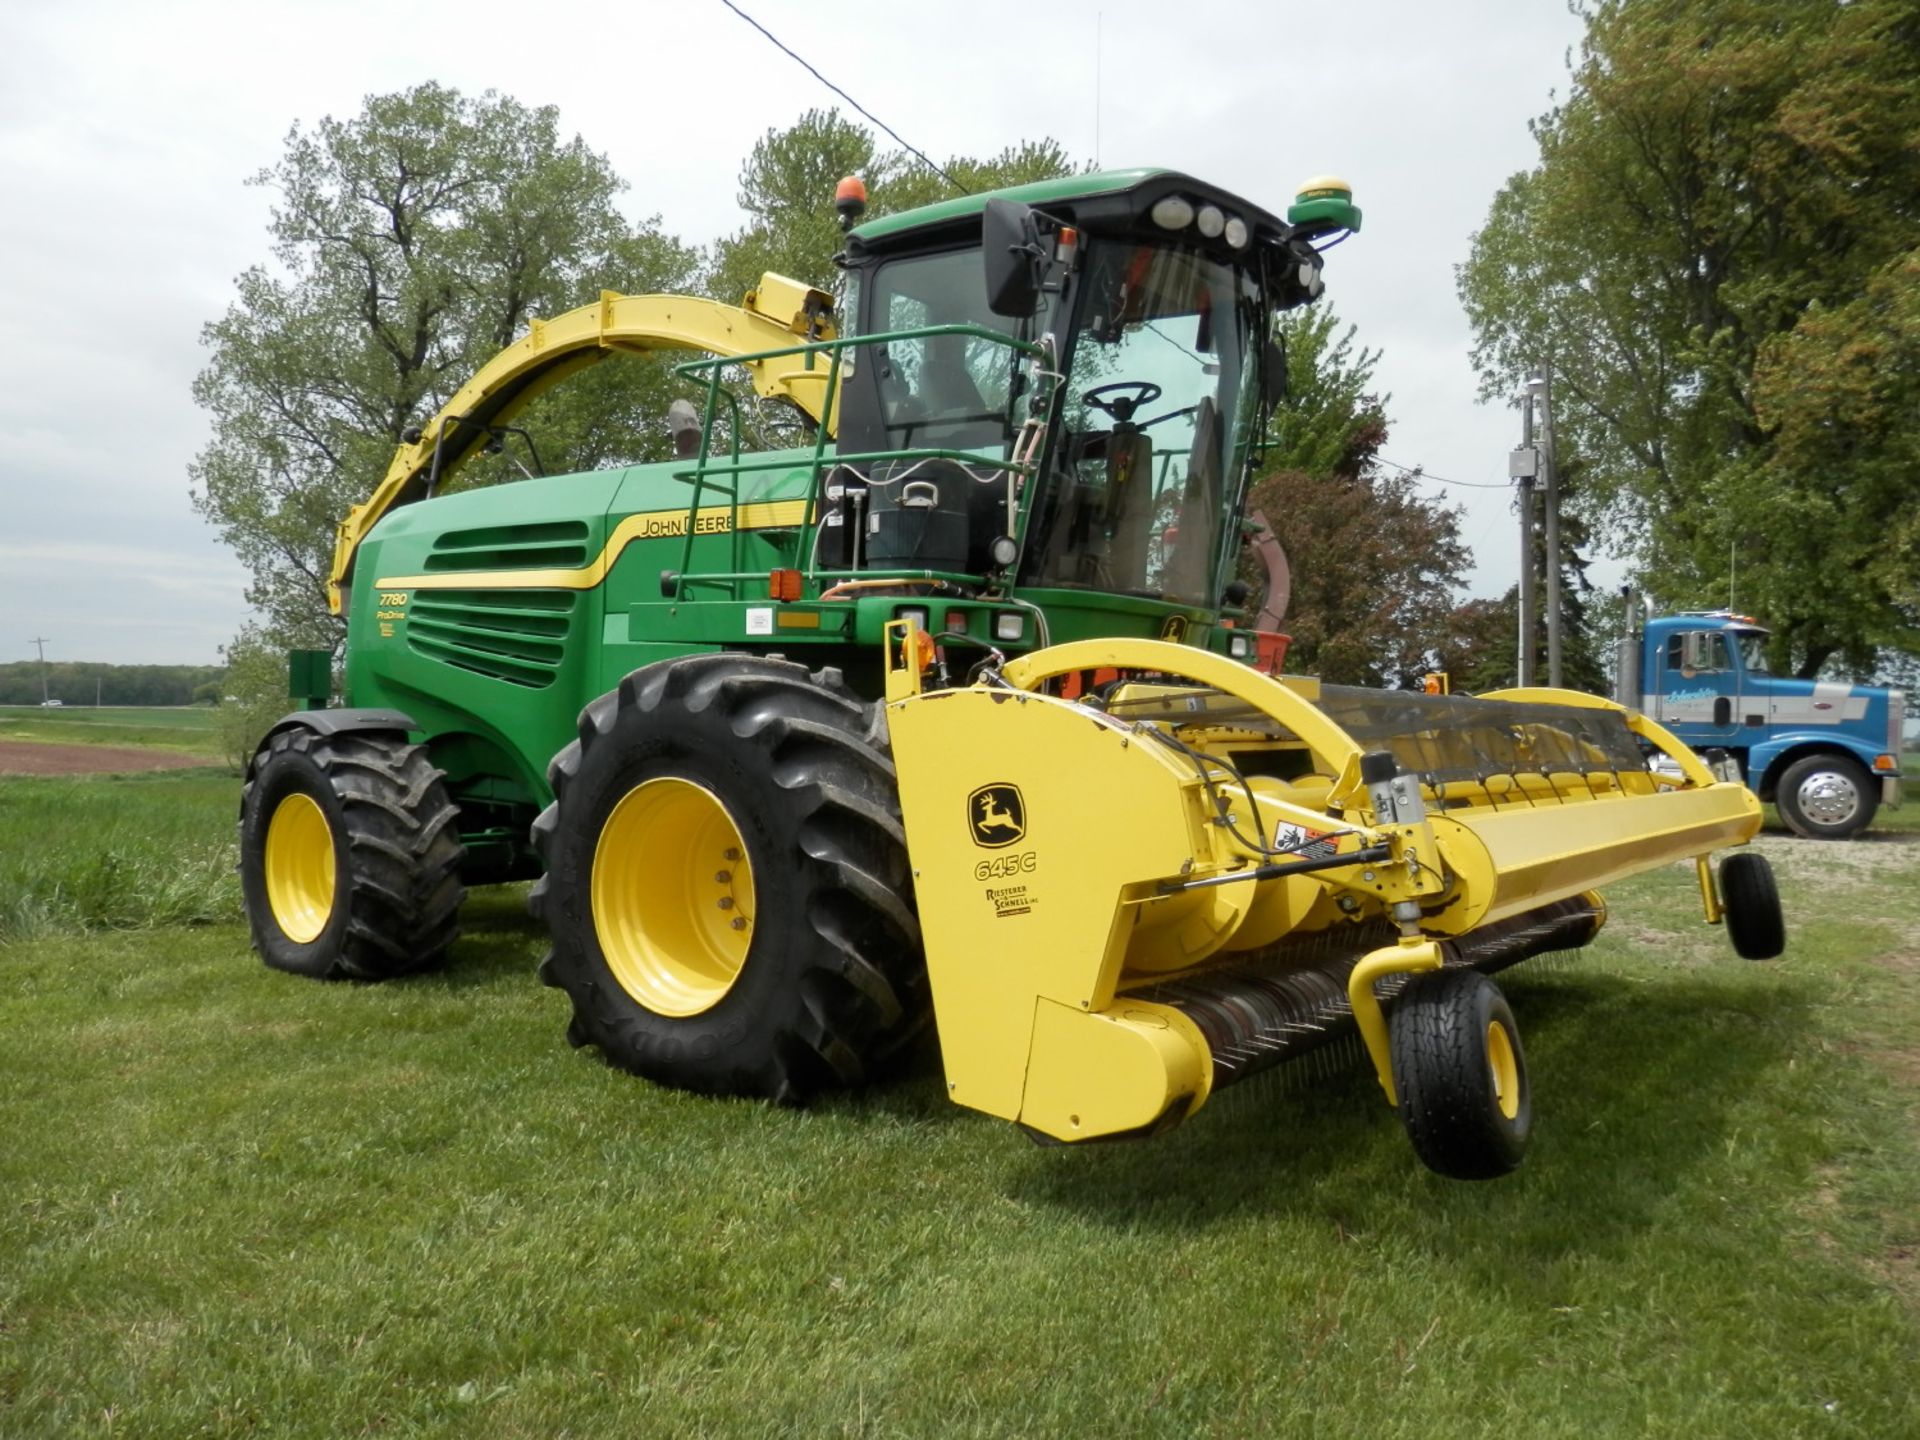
(1551, 505)
(1522, 465)
(41, 642)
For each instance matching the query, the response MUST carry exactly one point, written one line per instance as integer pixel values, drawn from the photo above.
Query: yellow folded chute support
(775, 316)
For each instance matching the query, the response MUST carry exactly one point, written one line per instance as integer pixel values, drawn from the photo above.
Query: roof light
(1211, 222)
(850, 200)
(1172, 212)
(1236, 232)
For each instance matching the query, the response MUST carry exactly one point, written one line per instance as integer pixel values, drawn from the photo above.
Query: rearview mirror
(1273, 372)
(1012, 257)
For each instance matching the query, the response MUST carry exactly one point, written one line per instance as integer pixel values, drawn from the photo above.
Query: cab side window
(1697, 652)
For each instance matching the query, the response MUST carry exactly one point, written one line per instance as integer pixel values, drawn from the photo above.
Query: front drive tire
(727, 887)
(349, 856)
(1461, 1074)
(1826, 797)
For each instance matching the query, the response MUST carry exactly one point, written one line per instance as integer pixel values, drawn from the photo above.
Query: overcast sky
(127, 131)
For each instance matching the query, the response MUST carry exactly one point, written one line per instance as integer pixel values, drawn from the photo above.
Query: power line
(938, 170)
(1426, 474)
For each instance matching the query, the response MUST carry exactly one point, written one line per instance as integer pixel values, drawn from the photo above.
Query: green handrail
(705, 472)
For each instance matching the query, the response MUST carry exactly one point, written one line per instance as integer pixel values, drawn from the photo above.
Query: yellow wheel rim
(672, 895)
(1505, 1068)
(299, 868)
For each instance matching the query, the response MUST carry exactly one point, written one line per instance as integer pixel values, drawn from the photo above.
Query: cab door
(1698, 687)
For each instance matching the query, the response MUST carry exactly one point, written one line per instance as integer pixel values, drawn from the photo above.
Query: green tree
(787, 187)
(411, 243)
(1716, 252)
(253, 695)
(1481, 649)
(1331, 421)
(1374, 563)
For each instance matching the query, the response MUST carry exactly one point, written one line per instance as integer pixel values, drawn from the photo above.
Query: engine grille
(518, 636)
(554, 545)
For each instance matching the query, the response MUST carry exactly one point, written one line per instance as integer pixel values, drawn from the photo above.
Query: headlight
(1009, 625)
(1172, 212)
(1239, 646)
(916, 613)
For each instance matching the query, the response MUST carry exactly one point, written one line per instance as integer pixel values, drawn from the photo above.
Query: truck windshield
(1159, 399)
(1752, 645)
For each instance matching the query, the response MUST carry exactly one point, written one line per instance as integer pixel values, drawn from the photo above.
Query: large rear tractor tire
(349, 856)
(1751, 902)
(1461, 1075)
(1827, 797)
(727, 886)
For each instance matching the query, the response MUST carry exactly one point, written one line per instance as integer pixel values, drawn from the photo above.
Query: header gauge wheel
(1461, 1074)
(349, 856)
(727, 887)
(1751, 901)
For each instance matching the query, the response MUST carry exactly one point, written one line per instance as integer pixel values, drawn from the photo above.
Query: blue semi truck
(1826, 753)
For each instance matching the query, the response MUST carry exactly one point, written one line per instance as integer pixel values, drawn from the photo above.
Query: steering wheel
(1119, 407)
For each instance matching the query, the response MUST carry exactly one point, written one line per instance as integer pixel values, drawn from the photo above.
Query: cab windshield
(1157, 413)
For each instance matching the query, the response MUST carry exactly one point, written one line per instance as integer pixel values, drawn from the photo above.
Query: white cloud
(128, 129)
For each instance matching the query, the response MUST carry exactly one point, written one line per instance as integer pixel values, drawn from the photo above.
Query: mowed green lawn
(237, 1203)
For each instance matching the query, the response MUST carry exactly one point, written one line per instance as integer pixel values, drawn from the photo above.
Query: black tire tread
(1437, 1032)
(403, 894)
(1751, 901)
(862, 994)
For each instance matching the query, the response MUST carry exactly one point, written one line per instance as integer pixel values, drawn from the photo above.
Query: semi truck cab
(1827, 753)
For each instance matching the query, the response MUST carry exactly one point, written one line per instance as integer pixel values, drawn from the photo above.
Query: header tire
(1461, 1075)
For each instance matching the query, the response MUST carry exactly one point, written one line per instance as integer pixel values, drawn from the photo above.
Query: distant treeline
(83, 683)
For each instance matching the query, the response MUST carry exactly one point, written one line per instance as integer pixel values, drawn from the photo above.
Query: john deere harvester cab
(1117, 357)
(992, 583)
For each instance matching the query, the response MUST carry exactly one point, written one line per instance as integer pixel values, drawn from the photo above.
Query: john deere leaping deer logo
(997, 815)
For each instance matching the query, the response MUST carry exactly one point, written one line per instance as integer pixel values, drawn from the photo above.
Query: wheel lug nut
(739, 922)
(726, 902)
(722, 877)
(730, 853)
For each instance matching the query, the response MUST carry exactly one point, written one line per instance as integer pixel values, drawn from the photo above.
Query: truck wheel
(349, 856)
(727, 886)
(1826, 797)
(1751, 901)
(1461, 1074)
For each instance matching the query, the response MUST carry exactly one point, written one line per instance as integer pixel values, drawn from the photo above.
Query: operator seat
(1130, 506)
(1186, 573)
